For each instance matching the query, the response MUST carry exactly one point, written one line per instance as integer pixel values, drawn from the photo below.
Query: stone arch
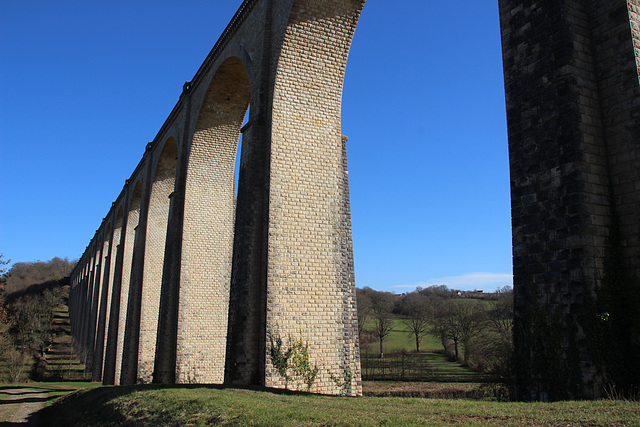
(113, 299)
(102, 296)
(209, 214)
(573, 202)
(86, 299)
(162, 187)
(133, 218)
(96, 286)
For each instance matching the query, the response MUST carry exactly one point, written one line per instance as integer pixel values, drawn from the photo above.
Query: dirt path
(20, 405)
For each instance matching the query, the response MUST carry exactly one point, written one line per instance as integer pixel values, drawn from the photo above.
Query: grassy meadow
(200, 406)
(86, 404)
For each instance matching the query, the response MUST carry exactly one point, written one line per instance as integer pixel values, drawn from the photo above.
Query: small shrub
(279, 357)
(16, 363)
(301, 365)
(295, 359)
(343, 383)
(612, 393)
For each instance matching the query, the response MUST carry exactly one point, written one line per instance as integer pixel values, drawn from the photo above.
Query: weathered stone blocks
(572, 97)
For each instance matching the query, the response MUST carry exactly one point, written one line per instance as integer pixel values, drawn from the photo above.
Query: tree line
(475, 331)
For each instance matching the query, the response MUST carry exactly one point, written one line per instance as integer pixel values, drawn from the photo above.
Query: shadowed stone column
(571, 83)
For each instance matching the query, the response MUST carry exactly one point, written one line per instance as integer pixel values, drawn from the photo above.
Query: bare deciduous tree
(460, 322)
(365, 309)
(498, 339)
(419, 314)
(3, 262)
(382, 308)
(16, 363)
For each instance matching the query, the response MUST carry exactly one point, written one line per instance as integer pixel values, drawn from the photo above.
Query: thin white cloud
(487, 282)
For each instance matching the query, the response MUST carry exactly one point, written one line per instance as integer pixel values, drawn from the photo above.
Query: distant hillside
(22, 275)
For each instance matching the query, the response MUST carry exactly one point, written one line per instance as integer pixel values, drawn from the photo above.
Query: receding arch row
(123, 343)
(193, 284)
(110, 257)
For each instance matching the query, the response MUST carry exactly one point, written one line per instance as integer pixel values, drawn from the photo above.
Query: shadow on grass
(15, 396)
(96, 407)
(26, 399)
(27, 390)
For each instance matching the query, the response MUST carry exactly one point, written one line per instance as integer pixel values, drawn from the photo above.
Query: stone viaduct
(185, 282)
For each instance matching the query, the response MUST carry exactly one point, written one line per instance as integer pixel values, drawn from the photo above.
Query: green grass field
(400, 339)
(417, 367)
(199, 406)
(434, 365)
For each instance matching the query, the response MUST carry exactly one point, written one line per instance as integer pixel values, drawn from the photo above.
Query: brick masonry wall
(619, 94)
(310, 278)
(164, 369)
(246, 335)
(116, 275)
(131, 346)
(98, 353)
(634, 19)
(95, 303)
(209, 227)
(132, 223)
(108, 376)
(86, 298)
(84, 288)
(615, 35)
(161, 189)
(79, 298)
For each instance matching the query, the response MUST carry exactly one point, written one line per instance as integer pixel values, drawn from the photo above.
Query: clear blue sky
(85, 85)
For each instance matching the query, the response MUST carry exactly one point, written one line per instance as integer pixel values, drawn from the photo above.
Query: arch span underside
(184, 282)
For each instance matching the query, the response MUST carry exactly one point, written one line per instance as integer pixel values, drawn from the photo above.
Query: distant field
(417, 367)
(199, 406)
(429, 365)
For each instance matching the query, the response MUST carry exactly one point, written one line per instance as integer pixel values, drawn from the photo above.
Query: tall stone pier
(573, 113)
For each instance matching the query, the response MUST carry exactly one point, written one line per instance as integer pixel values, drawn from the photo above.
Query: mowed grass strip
(149, 405)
